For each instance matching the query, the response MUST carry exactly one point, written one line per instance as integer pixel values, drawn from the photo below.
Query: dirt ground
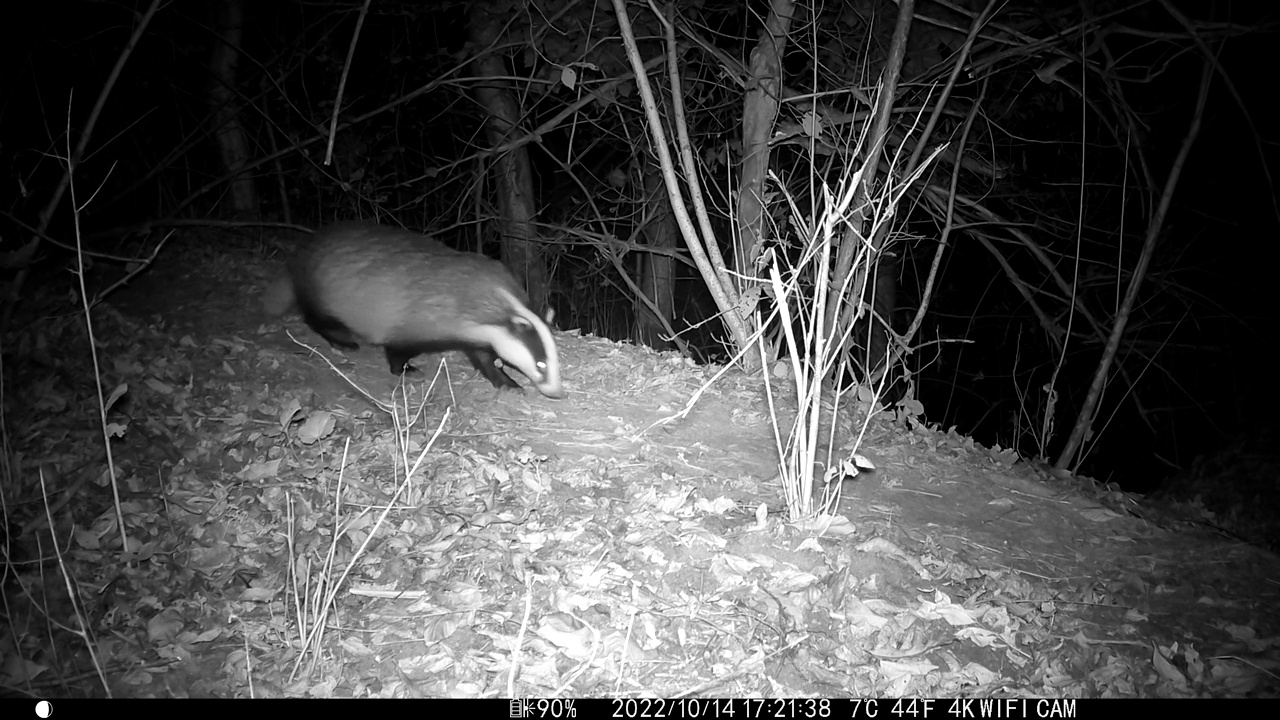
(298, 528)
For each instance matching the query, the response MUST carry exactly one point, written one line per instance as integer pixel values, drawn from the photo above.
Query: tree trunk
(657, 271)
(513, 178)
(233, 151)
(759, 111)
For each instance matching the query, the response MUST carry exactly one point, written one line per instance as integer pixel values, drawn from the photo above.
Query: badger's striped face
(526, 344)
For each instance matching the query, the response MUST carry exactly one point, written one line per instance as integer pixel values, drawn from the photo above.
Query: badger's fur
(409, 294)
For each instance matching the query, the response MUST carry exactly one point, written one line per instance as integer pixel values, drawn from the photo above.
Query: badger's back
(410, 294)
(389, 285)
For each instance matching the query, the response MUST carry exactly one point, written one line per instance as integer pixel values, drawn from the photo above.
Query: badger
(409, 294)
